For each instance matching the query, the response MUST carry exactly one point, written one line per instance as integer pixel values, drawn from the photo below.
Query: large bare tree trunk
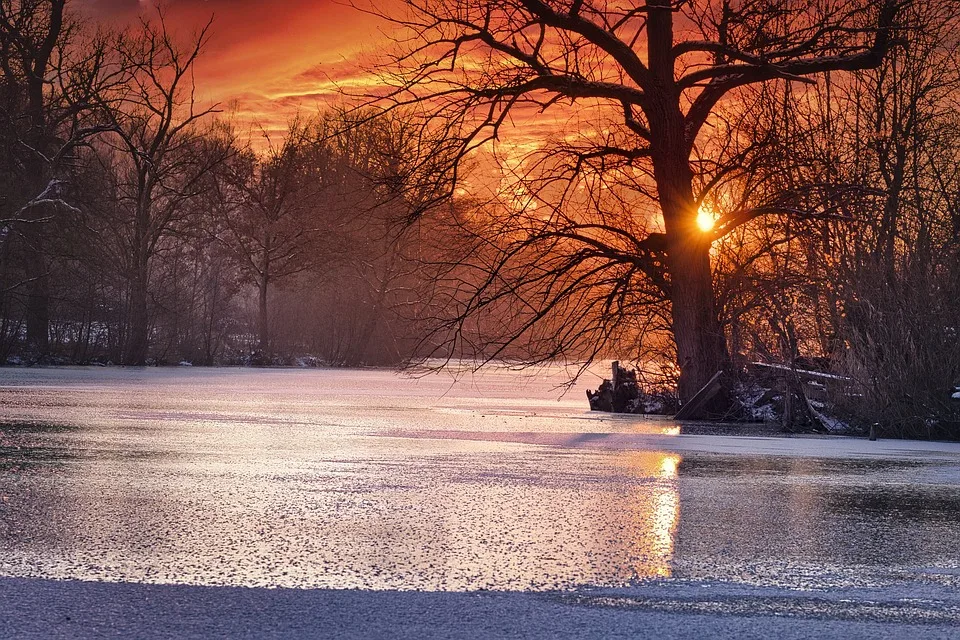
(701, 348)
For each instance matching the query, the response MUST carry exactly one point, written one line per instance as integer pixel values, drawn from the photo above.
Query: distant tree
(160, 155)
(326, 213)
(388, 176)
(274, 220)
(196, 297)
(638, 86)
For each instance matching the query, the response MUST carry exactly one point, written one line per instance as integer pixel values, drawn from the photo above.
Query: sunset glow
(479, 318)
(267, 62)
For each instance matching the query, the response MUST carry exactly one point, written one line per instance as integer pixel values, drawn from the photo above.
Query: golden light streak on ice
(660, 510)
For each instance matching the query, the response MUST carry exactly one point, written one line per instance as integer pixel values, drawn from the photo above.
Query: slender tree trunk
(264, 283)
(39, 172)
(137, 333)
(894, 179)
(137, 341)
(264, 318)
(357, 354)
(38, 294)
(211, 319)
(36, 263)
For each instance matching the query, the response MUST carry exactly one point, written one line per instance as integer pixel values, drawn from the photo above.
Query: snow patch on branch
(50, 196)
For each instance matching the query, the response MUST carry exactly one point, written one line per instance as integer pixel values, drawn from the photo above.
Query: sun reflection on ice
(660, 513)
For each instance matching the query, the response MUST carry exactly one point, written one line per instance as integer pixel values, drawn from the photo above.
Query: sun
(705, 220)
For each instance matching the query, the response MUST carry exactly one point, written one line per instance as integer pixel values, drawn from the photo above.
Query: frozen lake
(330, 479)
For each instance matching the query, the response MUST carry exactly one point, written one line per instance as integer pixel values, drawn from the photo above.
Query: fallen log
(695, 405)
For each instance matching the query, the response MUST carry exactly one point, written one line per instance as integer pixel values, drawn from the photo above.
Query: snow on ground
(76, 611)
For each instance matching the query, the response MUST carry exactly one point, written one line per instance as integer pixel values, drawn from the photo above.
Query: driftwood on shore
(802, 391)
(799, 398)
(693, 408)
(620, 394)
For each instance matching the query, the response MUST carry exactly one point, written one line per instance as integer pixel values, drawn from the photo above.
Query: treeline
(139, 227)
(814, 202)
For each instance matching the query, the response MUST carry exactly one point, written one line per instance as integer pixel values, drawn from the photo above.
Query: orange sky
(267, 60)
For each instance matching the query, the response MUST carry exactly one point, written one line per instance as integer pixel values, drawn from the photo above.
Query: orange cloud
(270, 61)
(266, 60)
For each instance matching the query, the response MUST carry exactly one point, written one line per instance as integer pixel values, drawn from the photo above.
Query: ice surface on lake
(369, 479)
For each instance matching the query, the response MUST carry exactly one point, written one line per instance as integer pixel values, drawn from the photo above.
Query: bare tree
(30, 33)
(330, 210)
(272, 216)
(163, 155)
(639, 84)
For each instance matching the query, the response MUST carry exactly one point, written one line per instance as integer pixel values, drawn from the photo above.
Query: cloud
(110, 8)
(268, 62)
